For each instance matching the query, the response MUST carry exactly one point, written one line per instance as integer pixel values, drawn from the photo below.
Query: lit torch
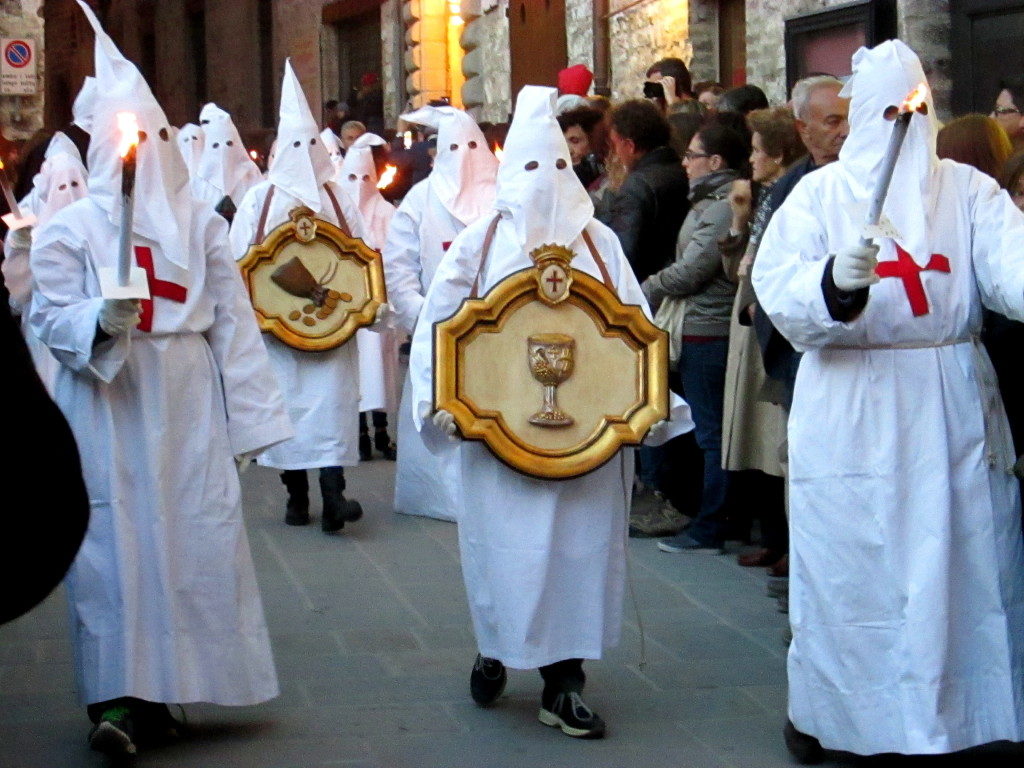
(14, 219)
(914, 102)
(127, 148)
(387, 177)
(499, 152)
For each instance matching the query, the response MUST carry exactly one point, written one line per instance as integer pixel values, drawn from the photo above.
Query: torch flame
(915, 98)
(128, 125)
(387, 177)
(2, 166)
(499, 152)
(254, 154)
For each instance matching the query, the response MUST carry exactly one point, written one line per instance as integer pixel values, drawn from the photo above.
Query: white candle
(8, 194)
(911, 104)
(129, 145)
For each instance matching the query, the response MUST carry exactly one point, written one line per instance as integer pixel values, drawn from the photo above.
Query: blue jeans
(702, 370)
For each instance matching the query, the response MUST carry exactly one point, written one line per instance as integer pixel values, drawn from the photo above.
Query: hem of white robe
(319, 463)
(260, 437)
(536, 662)
(432, 514)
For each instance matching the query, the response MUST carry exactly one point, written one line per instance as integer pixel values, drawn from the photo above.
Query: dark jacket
(780, 359)
(648, 210)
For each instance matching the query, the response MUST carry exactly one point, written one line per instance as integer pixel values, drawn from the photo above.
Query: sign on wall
(18, 66)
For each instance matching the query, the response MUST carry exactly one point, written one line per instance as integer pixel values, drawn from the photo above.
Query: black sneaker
(575, 718)
(487, 680)
(113, 735)
(365, 447)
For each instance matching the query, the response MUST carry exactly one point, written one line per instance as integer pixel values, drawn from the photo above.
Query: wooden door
(536, 42)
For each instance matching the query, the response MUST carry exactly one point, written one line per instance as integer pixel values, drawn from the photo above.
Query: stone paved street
(373, 647)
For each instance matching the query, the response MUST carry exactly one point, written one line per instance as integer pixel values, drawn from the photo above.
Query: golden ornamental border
(336, 239)
(613, 318)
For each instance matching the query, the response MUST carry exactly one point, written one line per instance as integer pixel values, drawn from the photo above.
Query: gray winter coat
(697, 272)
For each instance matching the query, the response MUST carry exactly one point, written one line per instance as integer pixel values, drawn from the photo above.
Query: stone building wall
(924, 25)
(642, 34)
(22, 116)
(579, 32)
(492, 60)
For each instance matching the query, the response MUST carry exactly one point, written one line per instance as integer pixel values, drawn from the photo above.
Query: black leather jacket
(648, 210)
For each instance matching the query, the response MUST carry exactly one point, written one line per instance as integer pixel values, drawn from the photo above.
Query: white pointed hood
(61, 180)
(191, 142)
(537, 186)
(224, 163)
(163, 205)
(301, 164)
(85, 102)
(464, 168)
(882, 77)
(359, 179)
(333, 147)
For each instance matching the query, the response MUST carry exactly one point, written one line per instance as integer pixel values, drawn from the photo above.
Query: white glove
(445, 422)
(658, 433)
(119, 316)
(21, 238)
(854, 267)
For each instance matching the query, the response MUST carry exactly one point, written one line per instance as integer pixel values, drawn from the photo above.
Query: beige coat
(753, 429)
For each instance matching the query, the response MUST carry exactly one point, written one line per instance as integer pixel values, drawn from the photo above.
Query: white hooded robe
(544, 561)
(906, 567)
(163, 595)
(321, 389)
(459, 190)
(379, 378)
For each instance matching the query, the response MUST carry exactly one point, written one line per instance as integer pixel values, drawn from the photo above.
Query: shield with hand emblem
(312, 285)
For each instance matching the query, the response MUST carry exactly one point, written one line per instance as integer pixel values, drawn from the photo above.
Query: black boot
(804, 748)
(337, 509)
(297, 509)
(365, 446)
(382, 442)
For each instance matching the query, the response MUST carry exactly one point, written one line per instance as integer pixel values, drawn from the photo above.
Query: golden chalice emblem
(550, 356)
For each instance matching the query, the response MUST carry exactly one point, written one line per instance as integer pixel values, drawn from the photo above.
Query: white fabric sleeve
(629, 291)
(66, 303)
(255, 408)
(452, 283)
(402, 264)
(17, 275)
(997, 249)
(243, 225)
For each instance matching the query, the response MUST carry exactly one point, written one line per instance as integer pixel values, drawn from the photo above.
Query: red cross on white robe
(907, 270)
(162, 288)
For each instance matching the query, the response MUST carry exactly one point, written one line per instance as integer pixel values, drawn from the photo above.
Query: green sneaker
(113, 735)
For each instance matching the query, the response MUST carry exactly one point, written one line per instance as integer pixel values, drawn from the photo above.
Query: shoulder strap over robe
(261, 227)
(607, 278)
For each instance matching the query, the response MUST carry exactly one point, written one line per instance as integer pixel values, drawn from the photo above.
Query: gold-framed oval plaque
(311, 285)
(551, 370)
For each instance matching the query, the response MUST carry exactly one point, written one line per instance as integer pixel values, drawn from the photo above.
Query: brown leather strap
(483, 253)
(342, 224)
(261, 227)
(600, 262)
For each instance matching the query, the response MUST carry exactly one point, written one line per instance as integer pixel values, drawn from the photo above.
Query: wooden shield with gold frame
(313, 286)
(551, 370)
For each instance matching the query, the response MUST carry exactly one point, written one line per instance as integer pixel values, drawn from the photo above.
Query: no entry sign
(18, 66)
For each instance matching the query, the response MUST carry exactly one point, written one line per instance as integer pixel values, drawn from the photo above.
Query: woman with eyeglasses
(715, 158)
(1007, 109)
